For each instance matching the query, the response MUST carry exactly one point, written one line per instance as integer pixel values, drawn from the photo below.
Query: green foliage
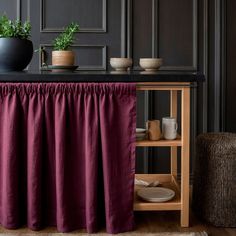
(66, 39)
(14, 29)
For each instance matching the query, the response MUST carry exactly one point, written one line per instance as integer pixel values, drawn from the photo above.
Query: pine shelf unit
(181, 199)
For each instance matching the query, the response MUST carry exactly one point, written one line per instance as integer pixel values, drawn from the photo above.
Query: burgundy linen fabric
(67, 155)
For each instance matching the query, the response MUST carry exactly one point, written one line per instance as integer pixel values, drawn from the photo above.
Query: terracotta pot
(63, 58)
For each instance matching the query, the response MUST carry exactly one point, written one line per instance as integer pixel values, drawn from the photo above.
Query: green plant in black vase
(14, 29)
(16, 49)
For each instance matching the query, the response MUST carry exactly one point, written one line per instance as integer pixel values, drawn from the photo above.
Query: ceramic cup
(169, 128)
(154, 130)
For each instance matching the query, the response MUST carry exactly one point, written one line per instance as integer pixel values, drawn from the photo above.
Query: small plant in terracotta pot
(61, 55)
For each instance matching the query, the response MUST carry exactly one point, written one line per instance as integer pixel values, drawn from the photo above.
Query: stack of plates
(156, 194)
(140, 134)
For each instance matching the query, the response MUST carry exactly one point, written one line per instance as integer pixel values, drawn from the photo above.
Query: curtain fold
(67, 155)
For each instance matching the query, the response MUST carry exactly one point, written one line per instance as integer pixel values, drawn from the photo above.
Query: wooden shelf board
(166, 180)
(160, 143)
(170, 86)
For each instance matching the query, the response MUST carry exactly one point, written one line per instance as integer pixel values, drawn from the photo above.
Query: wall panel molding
(155, 28)
(44, 29)
(123, 28)
(28, 9)
(103, 48)
(129, 28)
(228, 87)
(217, 64)
(223, 64)
(217, 72)
(194, 66)
(18, 9)
(204, 117)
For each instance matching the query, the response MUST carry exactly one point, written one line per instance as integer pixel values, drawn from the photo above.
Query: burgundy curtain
(67, 155)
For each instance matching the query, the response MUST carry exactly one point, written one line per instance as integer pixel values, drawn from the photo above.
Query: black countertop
(101, 76)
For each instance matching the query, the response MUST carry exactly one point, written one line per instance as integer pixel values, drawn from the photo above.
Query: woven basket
(214, 186)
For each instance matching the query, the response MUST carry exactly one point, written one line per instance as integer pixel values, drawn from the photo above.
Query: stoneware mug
(169, 128)
(154, 130)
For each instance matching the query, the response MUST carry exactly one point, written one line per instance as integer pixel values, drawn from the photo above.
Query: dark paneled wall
(136, 28)
(230, 62)
(187, 34)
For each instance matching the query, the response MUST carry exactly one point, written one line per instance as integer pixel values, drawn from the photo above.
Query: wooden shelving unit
(181, 199)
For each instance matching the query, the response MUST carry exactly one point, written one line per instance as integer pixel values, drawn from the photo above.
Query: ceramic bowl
(121, 64)
(150, 64)
(141, 130)
(140, 135)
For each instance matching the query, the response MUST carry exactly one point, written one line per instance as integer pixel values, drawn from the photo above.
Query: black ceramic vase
(15, 54)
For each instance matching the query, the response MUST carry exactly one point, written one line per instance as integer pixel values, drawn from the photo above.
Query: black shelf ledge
(101, 76)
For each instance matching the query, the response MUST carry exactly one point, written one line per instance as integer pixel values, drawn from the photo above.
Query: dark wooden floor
(169, 222)
(153, 222)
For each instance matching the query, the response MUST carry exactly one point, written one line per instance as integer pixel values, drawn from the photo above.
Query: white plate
(140, 139)
(156, 194)
(140, 135)
(140, 130)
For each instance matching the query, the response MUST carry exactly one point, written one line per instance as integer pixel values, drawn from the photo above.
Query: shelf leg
(185, 109)
(173, 113)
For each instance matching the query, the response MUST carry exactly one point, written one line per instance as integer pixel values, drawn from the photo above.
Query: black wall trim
(43, 29)
(223, 63)
(205, 65)
(28, 10)
(217, 62)
(123, 28)
(219, 65)
(195, 34)
(129, 28)
(155, 28)
(18, 9)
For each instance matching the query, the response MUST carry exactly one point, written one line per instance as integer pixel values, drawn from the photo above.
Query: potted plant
(16, 50)
(61, 55)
